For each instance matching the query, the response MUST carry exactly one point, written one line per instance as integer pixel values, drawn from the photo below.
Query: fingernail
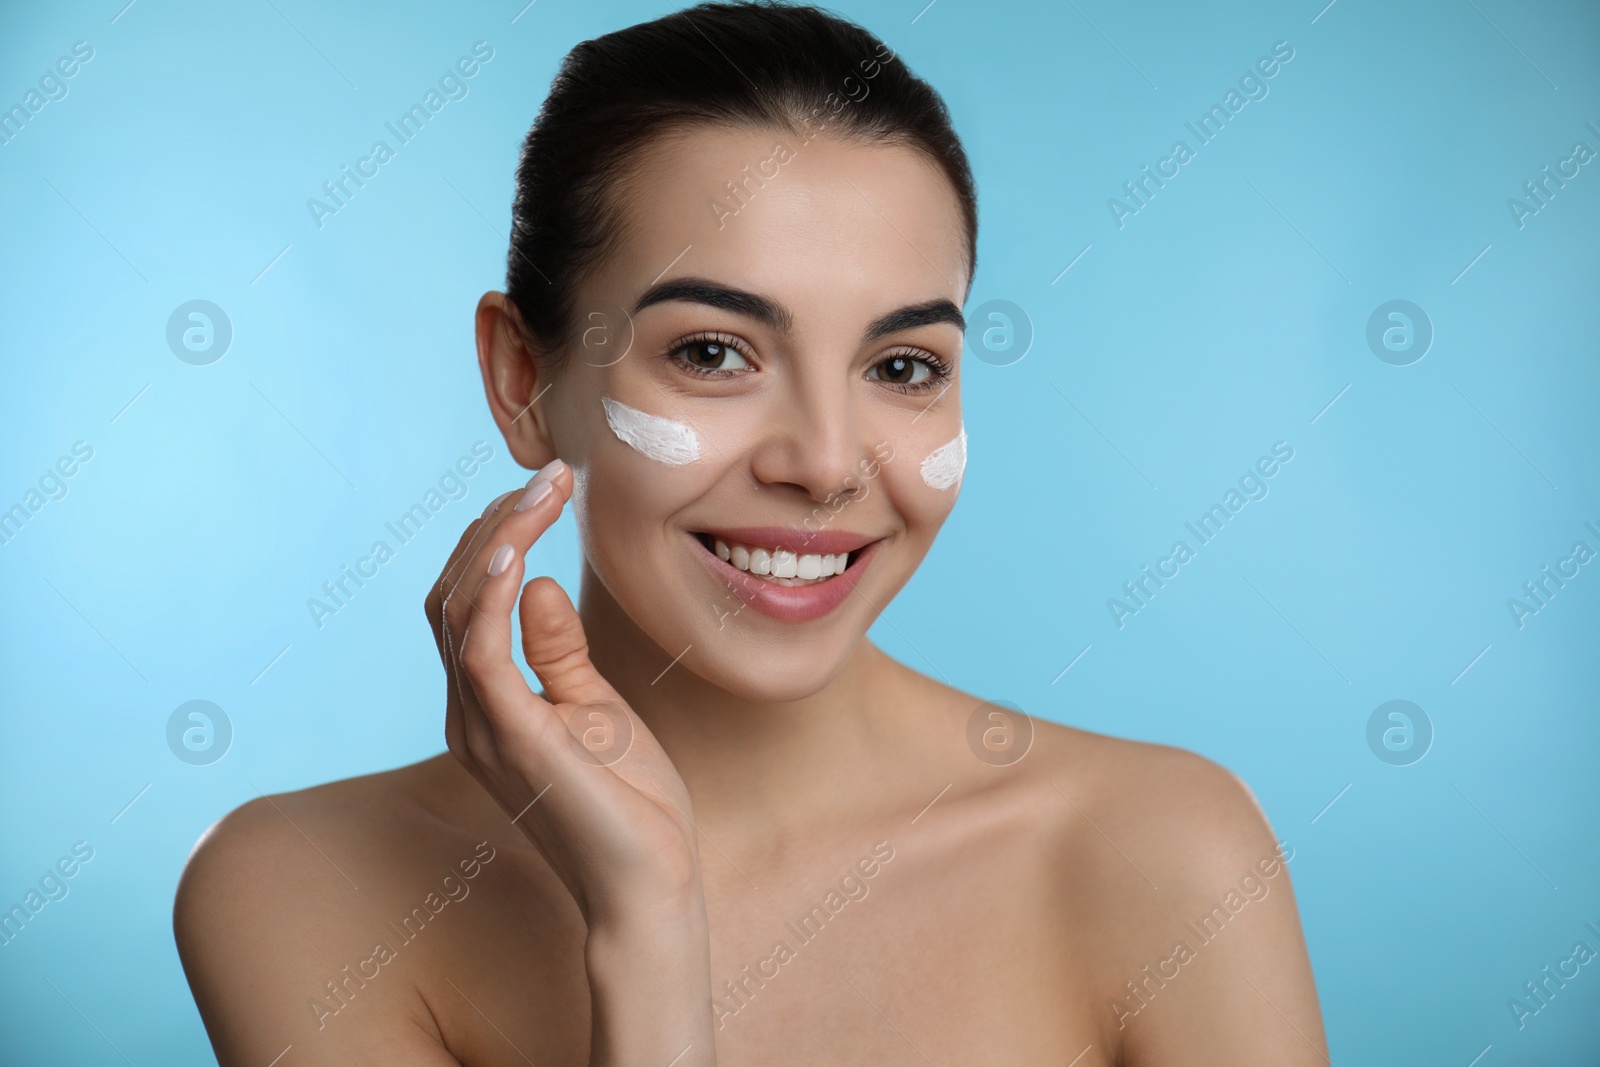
(549, 471)
(538, 489)
(500, 560)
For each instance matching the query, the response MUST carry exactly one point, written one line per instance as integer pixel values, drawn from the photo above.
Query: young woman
(730, 829)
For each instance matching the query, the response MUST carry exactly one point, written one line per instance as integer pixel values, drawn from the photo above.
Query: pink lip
(788, 603)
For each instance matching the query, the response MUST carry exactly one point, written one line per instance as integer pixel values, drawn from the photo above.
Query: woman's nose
(813, 440)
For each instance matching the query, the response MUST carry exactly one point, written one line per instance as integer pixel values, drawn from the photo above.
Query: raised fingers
(487, 588)
(433, 605)
(520, 524)
(449, 609)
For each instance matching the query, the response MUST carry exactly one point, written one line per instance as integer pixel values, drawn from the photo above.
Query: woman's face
(770, 360)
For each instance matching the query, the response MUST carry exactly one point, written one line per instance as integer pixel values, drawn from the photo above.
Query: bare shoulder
(261, 835)
(1149, 832)
(300, 838)
(1189, 811)
(1180, 873)
(274, 905)
(1161, 883)
(1183, 813)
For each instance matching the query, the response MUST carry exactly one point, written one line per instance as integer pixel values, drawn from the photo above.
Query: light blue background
(1228, 314)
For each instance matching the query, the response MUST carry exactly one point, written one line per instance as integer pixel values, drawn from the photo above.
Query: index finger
(466, 545)
(557, 473)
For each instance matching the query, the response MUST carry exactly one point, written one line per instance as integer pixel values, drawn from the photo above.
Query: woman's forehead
(824, 223)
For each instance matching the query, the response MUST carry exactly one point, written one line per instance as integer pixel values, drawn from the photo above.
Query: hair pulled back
(755, 64)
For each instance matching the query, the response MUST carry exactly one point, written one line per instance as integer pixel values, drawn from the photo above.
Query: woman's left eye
(903, 370)
(709, 354)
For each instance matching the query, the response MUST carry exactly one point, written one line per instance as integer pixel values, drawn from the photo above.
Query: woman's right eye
(710, 355)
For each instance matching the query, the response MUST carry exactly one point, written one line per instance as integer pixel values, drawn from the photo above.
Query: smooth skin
(969, 912)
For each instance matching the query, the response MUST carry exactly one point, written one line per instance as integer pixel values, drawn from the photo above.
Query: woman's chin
(776, 676)
(759, 663)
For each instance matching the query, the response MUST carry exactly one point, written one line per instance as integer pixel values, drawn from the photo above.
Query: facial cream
(942, 467)
(663, 440)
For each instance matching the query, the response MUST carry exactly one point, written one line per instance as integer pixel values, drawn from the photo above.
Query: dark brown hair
(753, 64)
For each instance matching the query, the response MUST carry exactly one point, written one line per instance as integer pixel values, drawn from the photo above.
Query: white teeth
(781, 563)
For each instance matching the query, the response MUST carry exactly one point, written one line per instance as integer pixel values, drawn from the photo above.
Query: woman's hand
(587, 782)
(574, 767)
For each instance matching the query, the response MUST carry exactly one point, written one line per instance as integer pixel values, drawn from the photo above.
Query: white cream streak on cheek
(943, 466)
(661, 439)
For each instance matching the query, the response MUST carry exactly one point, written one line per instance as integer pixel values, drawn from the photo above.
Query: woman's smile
(783, 574)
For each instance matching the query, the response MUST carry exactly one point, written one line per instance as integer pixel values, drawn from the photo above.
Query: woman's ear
(512, 381)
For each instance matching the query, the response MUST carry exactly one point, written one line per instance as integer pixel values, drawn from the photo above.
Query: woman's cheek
(923, 473)
(651, 464)
(942, 468)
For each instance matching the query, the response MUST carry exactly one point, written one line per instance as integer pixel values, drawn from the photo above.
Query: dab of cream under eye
(943, 467)
(663, 440)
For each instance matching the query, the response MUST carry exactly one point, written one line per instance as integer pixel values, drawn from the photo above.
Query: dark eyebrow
(714, 294)
(908, 318)
(752, 305)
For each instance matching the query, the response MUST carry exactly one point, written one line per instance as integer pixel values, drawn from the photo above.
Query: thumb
(555, 646)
